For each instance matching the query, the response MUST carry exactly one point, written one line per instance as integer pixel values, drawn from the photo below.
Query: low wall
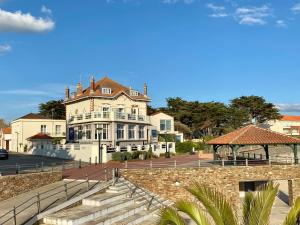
(11, 186)
(226, 180)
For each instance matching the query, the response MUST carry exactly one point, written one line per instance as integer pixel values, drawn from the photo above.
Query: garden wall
(11, 186)
(225, 179)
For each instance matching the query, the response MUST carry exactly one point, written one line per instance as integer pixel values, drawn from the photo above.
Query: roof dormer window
(134, 93)
(106, 91)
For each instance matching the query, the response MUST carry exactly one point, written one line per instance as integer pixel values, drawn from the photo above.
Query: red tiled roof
(40, 136)
(6, 130)
(290, 118)
(115, 87)
(33, 116)
(253, 135)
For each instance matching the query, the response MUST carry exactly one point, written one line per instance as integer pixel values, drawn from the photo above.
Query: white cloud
(296, 8)
(45, 10)
(281, 23)
(253, 15)
(23, 22)
(5, 49)
(286, 107)
(217, 11)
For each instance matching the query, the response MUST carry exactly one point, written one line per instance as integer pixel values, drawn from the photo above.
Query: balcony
(107, 116)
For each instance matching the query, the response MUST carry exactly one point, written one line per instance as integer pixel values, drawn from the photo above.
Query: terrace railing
(43, 201)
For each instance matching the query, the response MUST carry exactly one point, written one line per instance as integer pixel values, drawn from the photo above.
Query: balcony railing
(107, 116)
(131, 117)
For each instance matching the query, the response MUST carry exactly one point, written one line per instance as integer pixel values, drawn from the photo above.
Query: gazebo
(254, 135)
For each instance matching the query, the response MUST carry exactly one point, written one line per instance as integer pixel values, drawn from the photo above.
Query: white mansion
(116, 116)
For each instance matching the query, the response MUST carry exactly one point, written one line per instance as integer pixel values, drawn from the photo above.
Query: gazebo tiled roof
(253, 135)
(40, 136)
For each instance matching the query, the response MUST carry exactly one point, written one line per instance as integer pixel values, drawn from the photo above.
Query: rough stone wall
(225, 179)
(11, 186)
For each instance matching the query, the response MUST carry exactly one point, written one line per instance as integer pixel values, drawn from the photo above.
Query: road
(32, 163)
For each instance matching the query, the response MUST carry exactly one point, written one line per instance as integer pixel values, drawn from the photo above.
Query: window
(165, 125)
(120, 113)
(57, 129)
(141, 132)
(102, 133)
(131, 131)
(43, 128)
(105, 111)
(80, 132)
(88, 132)
(106, 91)
(134, 93)
(120, 131)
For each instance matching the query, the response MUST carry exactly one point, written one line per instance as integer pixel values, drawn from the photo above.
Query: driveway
(30, 163)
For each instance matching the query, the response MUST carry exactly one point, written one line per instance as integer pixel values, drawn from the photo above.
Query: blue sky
(206, 50)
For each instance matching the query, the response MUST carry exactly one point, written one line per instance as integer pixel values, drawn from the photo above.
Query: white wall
(22, 129)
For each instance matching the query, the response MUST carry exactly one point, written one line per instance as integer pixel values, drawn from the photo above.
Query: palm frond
(291, 218)
(193, 211)
(247, 206)
(215, 203)
(169, 216)
(261, 205)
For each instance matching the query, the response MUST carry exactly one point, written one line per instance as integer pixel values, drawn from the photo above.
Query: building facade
(109, 114)
(32, 124)
(289, 125)
(5, 138)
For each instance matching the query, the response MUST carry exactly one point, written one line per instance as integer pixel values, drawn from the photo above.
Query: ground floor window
(101, 131)
(120, 131)
(88, 132)
(141, 132)
(131, 131)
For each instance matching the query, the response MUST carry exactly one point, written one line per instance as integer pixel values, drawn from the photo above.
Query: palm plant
(214, 208)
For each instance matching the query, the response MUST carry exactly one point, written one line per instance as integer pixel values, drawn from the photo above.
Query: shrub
(185, 147)
(117, 156)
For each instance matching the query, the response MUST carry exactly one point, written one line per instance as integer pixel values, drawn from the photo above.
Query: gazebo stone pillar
(295, 151)
(234, 149)
(266, 148)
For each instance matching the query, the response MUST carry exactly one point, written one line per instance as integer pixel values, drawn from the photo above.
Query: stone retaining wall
(225, 179)
(11, 186)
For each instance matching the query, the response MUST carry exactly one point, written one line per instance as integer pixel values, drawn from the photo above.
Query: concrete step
(142, 216)
(85, 213)
(105, 198)
(119, 215)
(116, 189)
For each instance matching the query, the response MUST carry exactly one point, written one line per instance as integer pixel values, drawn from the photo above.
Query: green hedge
(126, 156)
(187, 146)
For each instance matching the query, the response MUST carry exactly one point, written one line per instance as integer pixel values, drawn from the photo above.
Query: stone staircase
(116, 206)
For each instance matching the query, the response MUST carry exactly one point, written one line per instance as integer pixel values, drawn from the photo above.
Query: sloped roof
(116, 89)
(6, 130)
(253, 135)
(33, 116)
(40, 136)
(290, 118)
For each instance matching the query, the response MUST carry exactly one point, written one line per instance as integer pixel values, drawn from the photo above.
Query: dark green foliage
(166, 138)
(53, 109)
(185, 147)
(126, 156)
(198, 119)
(3, 124)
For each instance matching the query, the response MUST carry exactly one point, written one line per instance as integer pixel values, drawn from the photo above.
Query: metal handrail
(136, 187)
(15, 213)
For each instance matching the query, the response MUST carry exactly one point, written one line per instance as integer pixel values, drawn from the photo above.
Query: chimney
(79, 89)
(92, 82)
(67, 92)
(145, 89)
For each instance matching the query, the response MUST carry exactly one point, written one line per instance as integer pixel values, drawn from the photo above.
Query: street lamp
(167, 155)
(17, 141)
(99, 130)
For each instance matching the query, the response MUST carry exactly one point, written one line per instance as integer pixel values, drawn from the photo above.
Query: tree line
(199, 119)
